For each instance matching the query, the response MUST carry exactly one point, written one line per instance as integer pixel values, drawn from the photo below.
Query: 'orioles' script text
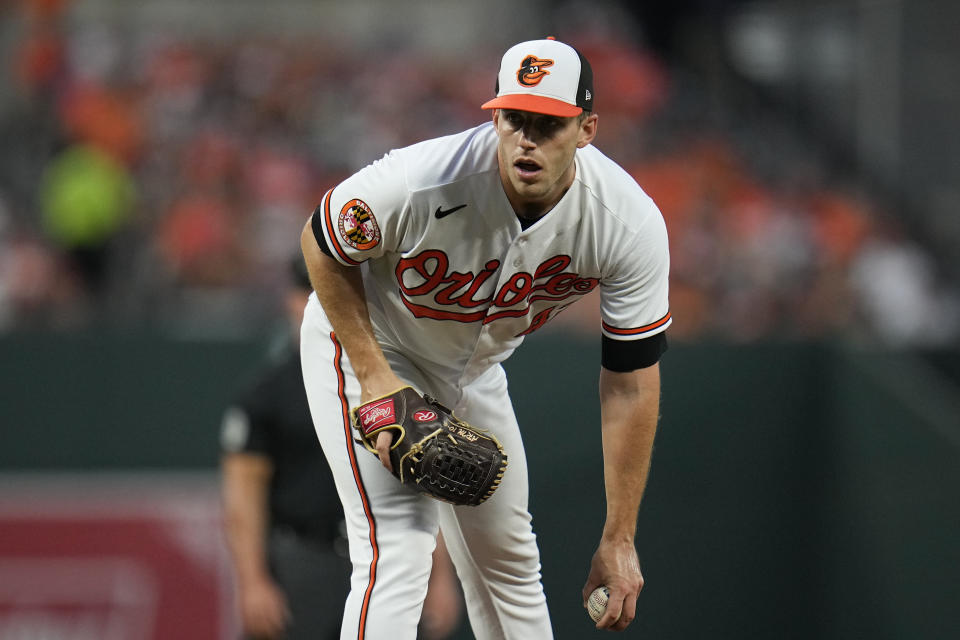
(429, 273)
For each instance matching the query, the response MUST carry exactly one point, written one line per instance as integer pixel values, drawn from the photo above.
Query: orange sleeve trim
(637, 330)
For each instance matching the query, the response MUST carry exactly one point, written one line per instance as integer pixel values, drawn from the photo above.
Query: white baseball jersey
(456, 283)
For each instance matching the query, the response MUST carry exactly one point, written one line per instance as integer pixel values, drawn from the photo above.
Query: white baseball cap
(544, 76)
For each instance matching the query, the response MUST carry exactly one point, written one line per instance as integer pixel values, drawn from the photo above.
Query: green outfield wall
(797, 491)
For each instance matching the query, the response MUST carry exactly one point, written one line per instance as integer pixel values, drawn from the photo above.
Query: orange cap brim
(534, 104)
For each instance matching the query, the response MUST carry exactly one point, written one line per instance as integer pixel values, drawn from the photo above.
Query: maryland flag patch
(358, 227)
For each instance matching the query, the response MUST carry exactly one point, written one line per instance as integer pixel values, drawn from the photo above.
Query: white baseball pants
(392, 529)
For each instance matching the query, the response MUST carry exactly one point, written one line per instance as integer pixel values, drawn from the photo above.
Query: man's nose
(528, 136)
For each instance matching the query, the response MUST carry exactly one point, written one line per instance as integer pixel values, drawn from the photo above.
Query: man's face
(535, 153)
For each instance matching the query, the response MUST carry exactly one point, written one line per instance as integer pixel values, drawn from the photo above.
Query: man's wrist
(253, 576)
(379, 384)
(622, 533)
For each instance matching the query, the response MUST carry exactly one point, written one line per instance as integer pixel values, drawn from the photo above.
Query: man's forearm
(245, 479)
(630, 405)
(340, 291)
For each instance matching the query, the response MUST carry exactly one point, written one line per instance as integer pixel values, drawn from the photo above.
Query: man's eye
(549, 125)
(515, 119)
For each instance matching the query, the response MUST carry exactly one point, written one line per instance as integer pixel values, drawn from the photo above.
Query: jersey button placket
(518, 261)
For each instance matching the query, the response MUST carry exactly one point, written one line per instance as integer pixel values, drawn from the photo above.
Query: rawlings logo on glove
(441, 455)
(376, 414)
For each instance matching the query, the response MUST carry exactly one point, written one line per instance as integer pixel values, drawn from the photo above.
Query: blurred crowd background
(160, 158)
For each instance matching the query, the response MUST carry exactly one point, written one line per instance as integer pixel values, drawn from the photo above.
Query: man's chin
(529, 190)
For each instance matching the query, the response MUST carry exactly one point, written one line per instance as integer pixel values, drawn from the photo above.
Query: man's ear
(588, 130)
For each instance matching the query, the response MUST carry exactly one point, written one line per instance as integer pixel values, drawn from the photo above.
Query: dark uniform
(307, 550)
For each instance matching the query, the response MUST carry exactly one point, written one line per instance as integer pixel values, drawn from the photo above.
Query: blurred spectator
(104, 119)
(36, 288)
(901, 301)
(200, 241)
(40, 60)
(87, 198)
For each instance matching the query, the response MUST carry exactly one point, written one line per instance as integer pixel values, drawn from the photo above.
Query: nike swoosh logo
(440, 213)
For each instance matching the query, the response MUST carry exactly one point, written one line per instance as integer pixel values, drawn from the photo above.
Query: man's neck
(526, 222)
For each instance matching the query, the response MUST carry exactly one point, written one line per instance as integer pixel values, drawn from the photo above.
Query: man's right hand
(264, 610)
(378, 386)
(384, 440)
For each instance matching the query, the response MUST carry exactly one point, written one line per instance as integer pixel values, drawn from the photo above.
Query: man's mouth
(526, 168)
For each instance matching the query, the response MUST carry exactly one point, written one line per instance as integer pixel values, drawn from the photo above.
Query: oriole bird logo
(532, 70)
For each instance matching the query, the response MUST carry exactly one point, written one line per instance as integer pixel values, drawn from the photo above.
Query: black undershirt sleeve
(629, 355)
(315, 222)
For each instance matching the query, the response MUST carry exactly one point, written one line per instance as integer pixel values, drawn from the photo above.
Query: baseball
(597, 603)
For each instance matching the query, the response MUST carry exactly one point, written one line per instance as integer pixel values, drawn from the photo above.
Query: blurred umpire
(283, 519)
